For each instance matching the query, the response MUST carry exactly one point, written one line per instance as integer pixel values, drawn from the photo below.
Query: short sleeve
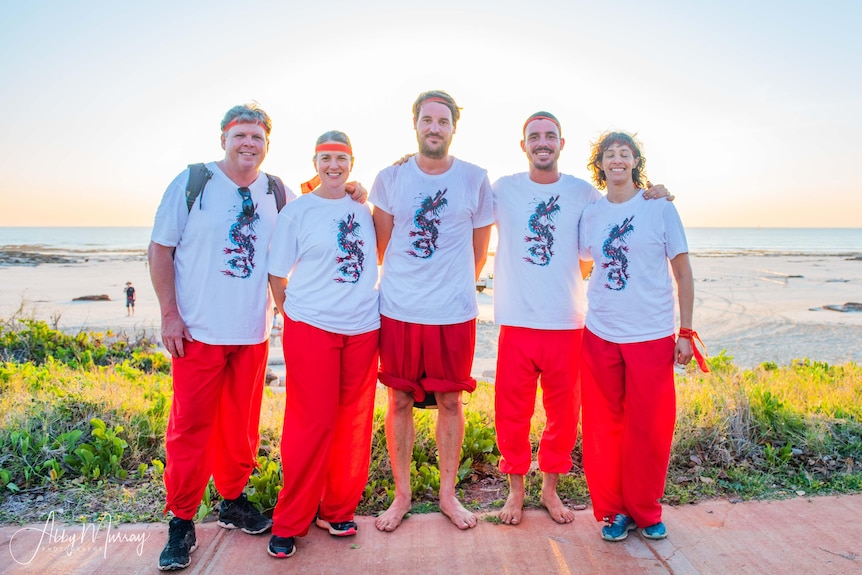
(284, 246)
(484, 215)
(674, 232)
(172, 213)
(379, 195)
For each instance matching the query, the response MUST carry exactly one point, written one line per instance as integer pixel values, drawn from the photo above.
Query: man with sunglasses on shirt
(208, 263)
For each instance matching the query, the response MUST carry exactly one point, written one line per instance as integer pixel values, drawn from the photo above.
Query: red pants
(422, 358)
(522, 355)
(326, 441)
(629, 412)
(213, 425)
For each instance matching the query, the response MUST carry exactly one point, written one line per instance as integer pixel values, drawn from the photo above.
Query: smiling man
(208, 263)
(540, 305)
(433, 218)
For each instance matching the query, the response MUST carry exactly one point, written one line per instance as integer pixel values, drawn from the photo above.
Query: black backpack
(199, 175)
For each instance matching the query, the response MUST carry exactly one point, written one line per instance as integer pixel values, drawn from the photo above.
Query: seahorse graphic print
(426, 219)
(350, 243)
(614, 248)
(242, 235)
(541, 245)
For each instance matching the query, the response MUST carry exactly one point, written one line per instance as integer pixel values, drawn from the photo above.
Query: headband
(310, 185)
(540, 117)
(435, 99)
(236, 121)
(333, 147)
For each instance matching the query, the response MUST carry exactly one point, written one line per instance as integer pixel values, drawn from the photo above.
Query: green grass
(81, 434)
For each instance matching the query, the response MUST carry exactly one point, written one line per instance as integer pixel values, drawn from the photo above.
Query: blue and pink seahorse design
(426, 219)
(541, 243)
(242, 235)
(614, 248)
(350, 243)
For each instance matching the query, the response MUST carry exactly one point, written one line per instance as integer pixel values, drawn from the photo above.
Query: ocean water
(774, 241)
(121, 241)
(702, 241)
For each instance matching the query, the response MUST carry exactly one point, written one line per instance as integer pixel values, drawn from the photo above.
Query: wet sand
(758, 308)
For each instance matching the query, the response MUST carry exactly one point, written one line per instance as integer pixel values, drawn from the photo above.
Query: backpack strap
(199, 175)
(276, 186)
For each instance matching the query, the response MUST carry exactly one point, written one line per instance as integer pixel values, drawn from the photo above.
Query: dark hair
(544, 115)
(599, 148)
(251, 113)
(448, 100)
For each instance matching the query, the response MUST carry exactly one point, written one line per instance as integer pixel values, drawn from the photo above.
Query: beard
(435, 153)
(548, 164)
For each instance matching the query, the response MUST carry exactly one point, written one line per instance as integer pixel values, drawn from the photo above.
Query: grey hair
(251, 113)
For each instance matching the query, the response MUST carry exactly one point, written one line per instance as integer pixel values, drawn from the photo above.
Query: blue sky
(749, 111)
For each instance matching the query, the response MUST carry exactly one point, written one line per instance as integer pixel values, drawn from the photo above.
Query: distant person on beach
(629, 348)
(323, 273)
(130, 299)
(433, 217)
(539, 304)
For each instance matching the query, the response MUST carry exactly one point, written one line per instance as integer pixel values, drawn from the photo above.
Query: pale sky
(749, 110)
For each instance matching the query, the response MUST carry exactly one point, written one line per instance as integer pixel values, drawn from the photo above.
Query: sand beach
(756, 307)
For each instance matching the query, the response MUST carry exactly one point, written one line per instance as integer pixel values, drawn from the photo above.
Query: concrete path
(821, 535)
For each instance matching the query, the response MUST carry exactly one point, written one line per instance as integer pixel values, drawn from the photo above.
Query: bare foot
(558, 512)
(457, 514)
(390, 519)
(511, 512)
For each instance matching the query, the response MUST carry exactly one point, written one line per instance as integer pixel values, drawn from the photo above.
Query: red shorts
(421, 358)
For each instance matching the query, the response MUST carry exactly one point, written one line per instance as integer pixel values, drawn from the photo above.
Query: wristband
(687, 333)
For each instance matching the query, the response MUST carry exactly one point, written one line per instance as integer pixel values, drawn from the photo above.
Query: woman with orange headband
(323, 274)
(629, 348)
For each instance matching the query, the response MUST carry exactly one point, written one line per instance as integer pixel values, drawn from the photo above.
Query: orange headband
(435, 99)
(333, 147)
(310, 185)
(531, 118)
(234, 122)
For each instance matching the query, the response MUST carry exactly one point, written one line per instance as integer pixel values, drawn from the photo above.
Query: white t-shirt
(328, 251)
(630, 292)
(537, 278)
(429, 271)
(221, 256)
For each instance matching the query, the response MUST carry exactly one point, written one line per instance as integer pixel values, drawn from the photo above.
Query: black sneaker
(281, 547)
(241, 514)
(181, 542)
(343, 529)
